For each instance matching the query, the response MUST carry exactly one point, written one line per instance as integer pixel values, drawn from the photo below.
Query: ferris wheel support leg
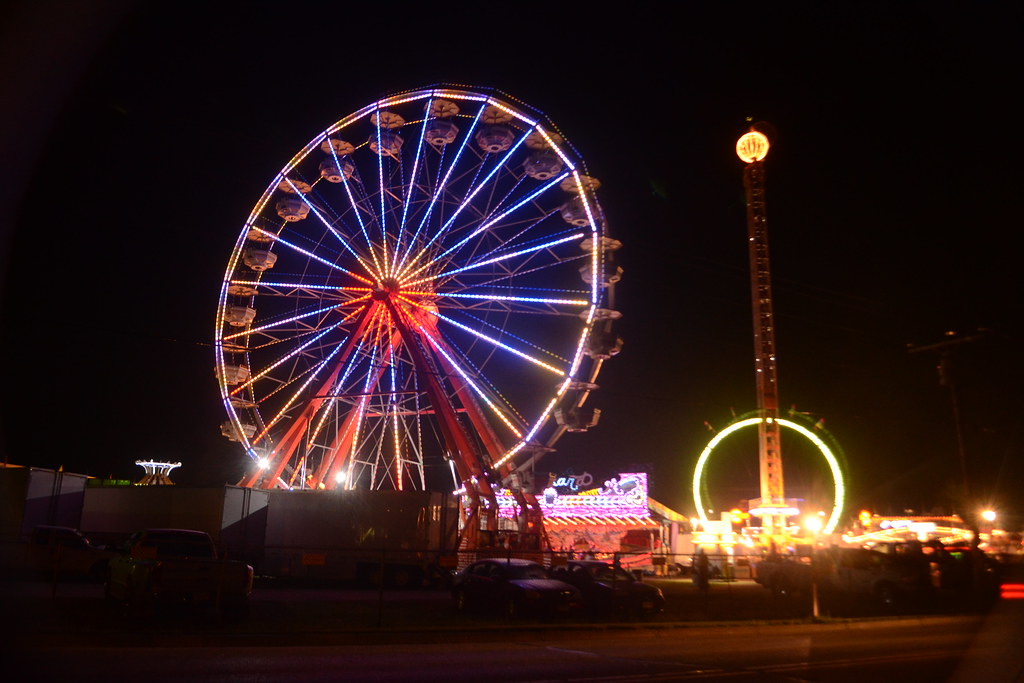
(469, 534)
(530, 520)
(286, 448)
(332, 464)
(468, 462)
(493, 445)
(342, 444)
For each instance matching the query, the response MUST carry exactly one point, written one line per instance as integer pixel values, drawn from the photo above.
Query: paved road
(288, 614)
(66, 630)
(912, 650)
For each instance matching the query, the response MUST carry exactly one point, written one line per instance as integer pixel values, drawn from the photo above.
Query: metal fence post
(380, 590)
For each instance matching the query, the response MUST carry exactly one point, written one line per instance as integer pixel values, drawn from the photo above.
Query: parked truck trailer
(400, 537)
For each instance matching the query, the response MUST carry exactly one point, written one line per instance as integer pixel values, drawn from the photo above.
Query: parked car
(611, 591)
(884, 577)
(783, 576)
(65, 552)
(164, 566)
(850, 574)
(513, 587)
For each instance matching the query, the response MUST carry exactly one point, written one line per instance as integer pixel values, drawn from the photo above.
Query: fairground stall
(615, 519)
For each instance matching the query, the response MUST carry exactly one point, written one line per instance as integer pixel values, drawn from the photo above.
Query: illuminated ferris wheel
(421, 291)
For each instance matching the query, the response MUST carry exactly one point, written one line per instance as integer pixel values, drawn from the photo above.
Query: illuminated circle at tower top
(420, 295)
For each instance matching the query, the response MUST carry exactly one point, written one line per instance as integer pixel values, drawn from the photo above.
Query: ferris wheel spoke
(393, 406)
(278, 288)
(345, 345)
(337, 390)
(506, 223)
(360, 419)
(479, 186)
(301, 316)
(505, 304)
(510, 242)
(343, 444)
(382, 216)
(504, 332)
(501, 297)
(424, 188)
(526, 271)
(332, 398)
(490, 340)
(537, 258)
(294, 352)
(496, 259)
(309, 254)
(358, 210)
(441, 188)
(411, 191)
(515, 242)
(486, 225)
(342, 239)
(314, 371)
(495, 409)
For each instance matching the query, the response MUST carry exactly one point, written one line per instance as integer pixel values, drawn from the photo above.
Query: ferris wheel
(420, 295)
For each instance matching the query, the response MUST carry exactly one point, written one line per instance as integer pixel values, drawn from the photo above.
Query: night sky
(137, 136)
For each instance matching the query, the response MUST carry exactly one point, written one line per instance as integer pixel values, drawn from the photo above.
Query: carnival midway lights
(428, 282)
(600, 514)
(773, 508)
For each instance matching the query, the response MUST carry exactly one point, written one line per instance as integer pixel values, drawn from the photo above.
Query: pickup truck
(168, 566)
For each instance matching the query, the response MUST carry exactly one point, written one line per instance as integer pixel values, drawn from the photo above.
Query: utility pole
(947, 378)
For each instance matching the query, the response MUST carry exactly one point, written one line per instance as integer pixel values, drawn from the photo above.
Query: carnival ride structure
(772, 507)
(423, 297)
(823, 441)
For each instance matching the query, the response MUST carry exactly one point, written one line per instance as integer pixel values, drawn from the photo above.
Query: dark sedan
(513, 587)
(611, 591)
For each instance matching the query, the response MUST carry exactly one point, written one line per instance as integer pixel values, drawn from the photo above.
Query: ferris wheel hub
(386, 288)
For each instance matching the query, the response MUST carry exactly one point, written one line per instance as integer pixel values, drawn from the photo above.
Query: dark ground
(77, 613)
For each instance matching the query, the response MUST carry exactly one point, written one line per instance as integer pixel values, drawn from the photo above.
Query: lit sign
(572, 482)
(894, 523)
(625, 495)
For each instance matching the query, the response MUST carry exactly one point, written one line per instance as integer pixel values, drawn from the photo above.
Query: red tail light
(1012, 591)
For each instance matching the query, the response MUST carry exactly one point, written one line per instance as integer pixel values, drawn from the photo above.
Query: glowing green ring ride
(826, 451)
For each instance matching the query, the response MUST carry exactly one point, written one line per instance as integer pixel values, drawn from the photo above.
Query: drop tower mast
(772, 507)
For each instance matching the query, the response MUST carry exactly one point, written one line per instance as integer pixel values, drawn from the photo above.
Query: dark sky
(137, 137)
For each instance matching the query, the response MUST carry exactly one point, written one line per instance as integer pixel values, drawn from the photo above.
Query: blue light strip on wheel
(471, 266)
(492, 340)
(281, 240)
(437, 193)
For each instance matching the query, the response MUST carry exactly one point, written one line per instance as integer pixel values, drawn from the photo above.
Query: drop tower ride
(772, 507)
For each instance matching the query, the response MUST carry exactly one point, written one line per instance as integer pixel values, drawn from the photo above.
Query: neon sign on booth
(622, 496)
